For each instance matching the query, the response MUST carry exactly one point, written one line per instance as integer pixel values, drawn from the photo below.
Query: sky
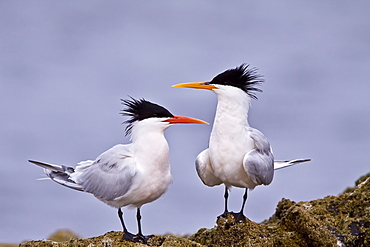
(65, 65)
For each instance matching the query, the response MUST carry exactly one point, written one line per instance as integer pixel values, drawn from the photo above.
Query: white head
(149, 117)
(231, 83)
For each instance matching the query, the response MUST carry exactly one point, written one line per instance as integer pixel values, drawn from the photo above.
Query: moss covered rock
(62, 235)
(113, 239)
(231, 233)
(342, 220)
(8, 245)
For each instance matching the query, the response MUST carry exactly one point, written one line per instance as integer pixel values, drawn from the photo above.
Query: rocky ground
(342, 220)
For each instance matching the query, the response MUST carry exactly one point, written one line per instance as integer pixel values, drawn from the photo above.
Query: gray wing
(205, 170)
(110, 175)
(259, 162)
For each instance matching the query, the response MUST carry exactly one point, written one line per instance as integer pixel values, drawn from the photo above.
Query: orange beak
(185, 120)
(197, 85)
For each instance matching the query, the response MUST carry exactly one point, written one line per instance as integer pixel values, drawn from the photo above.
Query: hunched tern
(238, 155)
(131, 174)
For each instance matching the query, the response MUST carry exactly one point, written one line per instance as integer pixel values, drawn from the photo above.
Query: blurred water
(64, 67)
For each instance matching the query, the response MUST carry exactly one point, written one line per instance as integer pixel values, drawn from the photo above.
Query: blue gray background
(65, 65)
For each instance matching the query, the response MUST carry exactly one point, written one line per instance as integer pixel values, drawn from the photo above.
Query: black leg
(240, 216)
(120, 214)
(226, 196)
(126, 234)
(140, 237)
(138, 218)
(245, 196)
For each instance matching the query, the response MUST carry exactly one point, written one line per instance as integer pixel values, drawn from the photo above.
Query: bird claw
(142, 239)
(237, 216)
(138, 238)
(225, 214)
(128, 236)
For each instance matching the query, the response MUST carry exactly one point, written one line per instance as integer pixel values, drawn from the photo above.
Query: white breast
(230, 140)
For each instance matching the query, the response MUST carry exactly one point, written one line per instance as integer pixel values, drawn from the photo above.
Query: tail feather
(59, 174)
(50, 167)
(282, 164)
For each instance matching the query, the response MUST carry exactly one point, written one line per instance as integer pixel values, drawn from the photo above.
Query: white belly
(227, 159)
(146, 188)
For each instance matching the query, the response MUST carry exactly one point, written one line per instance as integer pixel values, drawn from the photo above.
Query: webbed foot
(128, 236)
(239, 217)
(140, 238)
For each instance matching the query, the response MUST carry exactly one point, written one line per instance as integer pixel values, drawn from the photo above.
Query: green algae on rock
(114, 239)
(108, 239)
(342, 220)
(62, 235)
(231, 233)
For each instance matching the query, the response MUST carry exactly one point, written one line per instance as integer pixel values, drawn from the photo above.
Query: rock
(342, 220)
(62, 235)
(113, 239)
(8, 245)
(229, 233)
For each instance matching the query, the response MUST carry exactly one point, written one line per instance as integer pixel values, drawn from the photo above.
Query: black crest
(142, 109)
(242, 77)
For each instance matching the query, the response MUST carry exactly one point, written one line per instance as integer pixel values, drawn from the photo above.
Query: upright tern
(131, 174)
(238, 155)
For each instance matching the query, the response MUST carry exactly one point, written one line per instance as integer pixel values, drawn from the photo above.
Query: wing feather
(205, 170)
(110, 175)
(259, 162)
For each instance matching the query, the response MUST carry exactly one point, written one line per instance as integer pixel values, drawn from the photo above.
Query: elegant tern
(131, 174)
(238, 155)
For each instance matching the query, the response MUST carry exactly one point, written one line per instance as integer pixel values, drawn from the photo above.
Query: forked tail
(59, 174)
(278, 164)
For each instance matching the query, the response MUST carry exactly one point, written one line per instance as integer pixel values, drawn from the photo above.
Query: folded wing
(205, 170)
(108, 177)
(259, 162)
